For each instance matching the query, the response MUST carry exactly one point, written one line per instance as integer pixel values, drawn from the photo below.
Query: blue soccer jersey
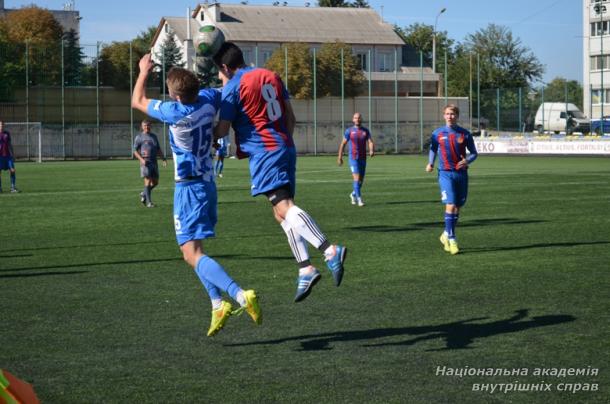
(253, 100)
(357, 137)
(450, 144)
(190, 133)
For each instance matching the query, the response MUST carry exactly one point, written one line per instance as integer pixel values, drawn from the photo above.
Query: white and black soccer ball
(209, 40)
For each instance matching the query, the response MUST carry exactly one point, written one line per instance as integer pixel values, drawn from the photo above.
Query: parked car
(560, 117)
(599, 126)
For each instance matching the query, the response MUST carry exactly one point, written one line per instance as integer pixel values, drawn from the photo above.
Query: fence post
(421, 101)
(342, 93)
(63, 101)
(470, 89)
(131, 96)
(395, 101)
(315, 106)
(97, 95)
(27, 97)
(479, 92)
(498, 109)
(521, 123)
(446, 91)
(370, 88)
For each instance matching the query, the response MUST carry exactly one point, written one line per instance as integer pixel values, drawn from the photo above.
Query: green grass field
(98, 306)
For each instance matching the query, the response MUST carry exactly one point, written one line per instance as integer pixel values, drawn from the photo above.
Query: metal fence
(84, 106)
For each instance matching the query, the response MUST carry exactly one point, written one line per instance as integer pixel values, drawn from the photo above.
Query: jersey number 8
(274, 110)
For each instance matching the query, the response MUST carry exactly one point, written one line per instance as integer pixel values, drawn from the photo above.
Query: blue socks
(215, 279)
(12, 180)
(356, 187)
(450, 222)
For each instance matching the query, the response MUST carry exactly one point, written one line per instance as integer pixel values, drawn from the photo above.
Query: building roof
(293, 24)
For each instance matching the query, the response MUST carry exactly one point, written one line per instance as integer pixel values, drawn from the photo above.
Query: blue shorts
(454, 187)
(272, 169)
(222, 152)
(195, 212)
(7, 163)
(358, 167)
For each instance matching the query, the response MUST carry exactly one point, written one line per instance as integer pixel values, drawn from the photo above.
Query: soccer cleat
(150, 205)
(219, 318)
(352, 198)
(15, 190)
(335, 261)
(142, 198)
(305, 284)
(453, 247)
(360, 202)
(252, 306)
(220, 175)
(445, 241)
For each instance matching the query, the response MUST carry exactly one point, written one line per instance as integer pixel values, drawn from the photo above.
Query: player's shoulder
(462, 130)
(210, 95)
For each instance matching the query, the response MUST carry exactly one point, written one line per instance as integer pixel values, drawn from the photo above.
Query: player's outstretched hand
(429, 168)
(339, 161)
(146, 64)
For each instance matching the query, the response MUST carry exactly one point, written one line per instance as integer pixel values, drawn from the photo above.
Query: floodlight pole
(434, 40)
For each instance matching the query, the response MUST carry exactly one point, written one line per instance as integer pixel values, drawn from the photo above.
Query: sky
(551, 29)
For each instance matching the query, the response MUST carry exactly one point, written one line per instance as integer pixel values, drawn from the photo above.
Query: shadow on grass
(91, 264)
(439, 224)
(411, 202)
(456, 335)
(41, 274)
(530, 246)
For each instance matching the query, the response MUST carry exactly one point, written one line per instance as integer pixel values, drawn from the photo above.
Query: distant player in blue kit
(450, 143)
(221, 153)
(356, 138)
(256, 102)
(7, 160)
(190, 115)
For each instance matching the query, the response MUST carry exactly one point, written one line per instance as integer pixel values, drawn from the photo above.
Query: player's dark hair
(229, 54)
(452, 107)
(145, 121)
(183, 83)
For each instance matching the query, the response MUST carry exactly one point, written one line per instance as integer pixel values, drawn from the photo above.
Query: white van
(557, 116)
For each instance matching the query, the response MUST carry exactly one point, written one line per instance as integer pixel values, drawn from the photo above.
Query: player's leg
(354, 168)
(195, 217)
(13, 175)
(220, 164)
(362, 172)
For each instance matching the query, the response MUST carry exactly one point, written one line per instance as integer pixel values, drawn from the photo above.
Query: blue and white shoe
(305, 284)
(334, 262)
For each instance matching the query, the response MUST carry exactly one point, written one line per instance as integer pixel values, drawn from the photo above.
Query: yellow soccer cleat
(453, 247)
(219, 318)
(252, 306)
(445, 242)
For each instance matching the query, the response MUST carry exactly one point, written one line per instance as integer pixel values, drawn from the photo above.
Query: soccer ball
(209, 40)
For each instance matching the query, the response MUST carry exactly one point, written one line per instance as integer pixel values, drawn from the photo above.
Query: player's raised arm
(138, 99)
(291, 120)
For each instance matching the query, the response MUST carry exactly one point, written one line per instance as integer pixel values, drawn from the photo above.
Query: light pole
(434, 40)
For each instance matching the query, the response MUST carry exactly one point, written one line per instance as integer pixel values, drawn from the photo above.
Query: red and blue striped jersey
(450, 144)
(5, 144)
(357, 137)
(254, 101)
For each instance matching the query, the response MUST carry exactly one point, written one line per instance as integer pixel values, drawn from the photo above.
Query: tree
(556, 91)
(419, 37)
(73, 58)
(114, 65)
(143, 42)
(37, 28)
(504, 61)
(360, 4)
(170, 54)
(207, 72)
(300, 74)
(333, 3)
(329, 70)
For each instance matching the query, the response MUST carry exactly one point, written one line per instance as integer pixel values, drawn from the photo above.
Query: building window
(599, 62)
(361, 58)
(201, 15)
(596, 96)
(266, 54)
(599, 28)
(166, 28)
(385, 62)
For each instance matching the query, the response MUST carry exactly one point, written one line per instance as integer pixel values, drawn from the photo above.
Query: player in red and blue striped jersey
(450, 144)
(356, 138)
(256, 102)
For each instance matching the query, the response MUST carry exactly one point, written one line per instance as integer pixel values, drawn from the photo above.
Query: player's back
(254, 100)
(450, 144)
(190, 130)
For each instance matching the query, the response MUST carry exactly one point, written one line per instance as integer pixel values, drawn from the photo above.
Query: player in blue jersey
(256, 102)
(450, 144)
(221, 153)
(190, 115)
(356, 138)
(7, 160)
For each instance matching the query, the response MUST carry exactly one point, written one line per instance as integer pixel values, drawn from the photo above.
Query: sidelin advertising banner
(512, 146)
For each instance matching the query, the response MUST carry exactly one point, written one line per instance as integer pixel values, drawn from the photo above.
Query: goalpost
(26, 138)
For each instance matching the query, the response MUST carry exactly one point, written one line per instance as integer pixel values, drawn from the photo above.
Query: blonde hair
(452, 107)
